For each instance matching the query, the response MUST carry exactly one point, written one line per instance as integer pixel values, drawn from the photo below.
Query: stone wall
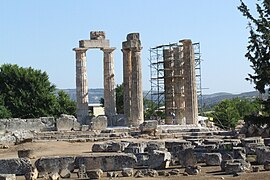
(17, 124)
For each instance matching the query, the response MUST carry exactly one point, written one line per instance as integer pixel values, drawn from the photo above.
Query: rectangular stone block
(99, 43)
(18, 166)
(67, 123)
(99, 123)
(46, 165)
(107, 161)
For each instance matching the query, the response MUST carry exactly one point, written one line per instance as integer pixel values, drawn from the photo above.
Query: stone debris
(213, 159)
(127, 172)
(7, 176)
(94, 174)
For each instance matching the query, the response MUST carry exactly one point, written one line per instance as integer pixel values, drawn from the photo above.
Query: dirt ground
(58, 148)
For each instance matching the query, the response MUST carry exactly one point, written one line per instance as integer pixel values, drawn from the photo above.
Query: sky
(42, 34)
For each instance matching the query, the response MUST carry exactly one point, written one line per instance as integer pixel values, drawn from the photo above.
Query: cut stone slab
(159, 159)
(46, 165)
(18, 166)
(99, 123)
(213, 159)
(188, 158)
(67, 123)
(149, 126)
(107, 161)
(232, 168)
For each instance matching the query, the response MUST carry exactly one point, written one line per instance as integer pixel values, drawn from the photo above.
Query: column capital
(80, 49)
(108, 50)
(136, 49)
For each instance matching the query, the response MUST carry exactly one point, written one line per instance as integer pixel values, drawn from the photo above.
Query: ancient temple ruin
(174, 81)
(132, 77)
(97, 40)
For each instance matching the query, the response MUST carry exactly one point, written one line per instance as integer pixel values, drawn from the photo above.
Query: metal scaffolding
(157, 72)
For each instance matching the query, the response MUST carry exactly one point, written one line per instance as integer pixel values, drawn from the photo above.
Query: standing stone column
(81, 85)
(168, 86)
(136, 86)
(127, 81)
(109, 84)
(191, 101)
(179, 86)
(133, 94)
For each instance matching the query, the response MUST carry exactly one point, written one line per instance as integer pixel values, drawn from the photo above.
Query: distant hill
(208, 100)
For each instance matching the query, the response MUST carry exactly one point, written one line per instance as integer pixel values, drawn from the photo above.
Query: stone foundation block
(46, 165)
(107, 161)
(18, 166)
(159, 159)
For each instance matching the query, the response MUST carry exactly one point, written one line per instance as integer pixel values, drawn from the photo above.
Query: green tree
(28, 93)
(258, 49)
(4, 112)
(228, 112)
(64, 104)
(119, 90)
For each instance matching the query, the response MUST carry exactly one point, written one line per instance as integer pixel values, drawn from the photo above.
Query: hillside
(208, 100)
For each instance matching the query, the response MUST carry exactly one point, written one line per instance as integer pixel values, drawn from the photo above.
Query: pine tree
(258, 49)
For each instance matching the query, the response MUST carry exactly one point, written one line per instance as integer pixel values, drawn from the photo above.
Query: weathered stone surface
(136, 148)
(65, 173)
(99, 123)
(23, 136)
(107, 161)
(33, 175)
(159, 159)
(232, 168)
(120, 120)
(82, 172)
(94, 173)
(26, 153)
(149, 126)
(138, 174)
(7, 176)
(38, 124)
(262, 154)
(213, 159)
(94, 35)
(266, 165)
(18, 166)
(255, 168)
(67, 122)
(188, 158)
(46, 165)
(54, 176)
(193, 170)
(127, 172)
(100, 147)
(239, 153)
(112, 174)
(174, 172)
(155, 145)
(150, 172)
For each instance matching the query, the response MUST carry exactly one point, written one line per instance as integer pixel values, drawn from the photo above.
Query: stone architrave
(81, 85)
(97, 40)
(190, 92)
(109, 84)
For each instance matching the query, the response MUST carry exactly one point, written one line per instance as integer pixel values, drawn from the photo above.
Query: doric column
(191, 102)
(81, 85)
(109, 84)
(127, 81)
(168, 86)
(136, 88)
(179, 86)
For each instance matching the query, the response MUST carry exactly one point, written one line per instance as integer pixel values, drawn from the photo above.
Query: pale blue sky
(42, 33)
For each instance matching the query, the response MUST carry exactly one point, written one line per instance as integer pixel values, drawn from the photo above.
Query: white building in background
(96, 109)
